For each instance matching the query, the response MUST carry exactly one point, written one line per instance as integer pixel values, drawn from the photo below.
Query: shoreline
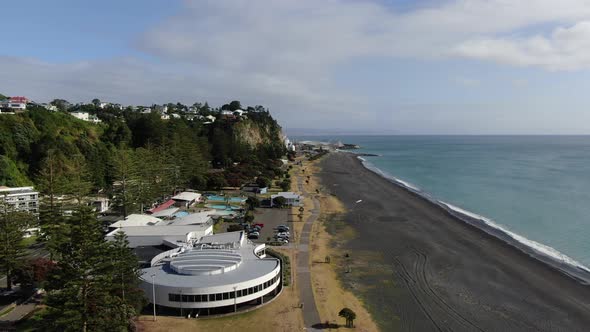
(444, 273)
(538, 251)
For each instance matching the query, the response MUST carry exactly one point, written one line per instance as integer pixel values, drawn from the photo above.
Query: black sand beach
(446, 275)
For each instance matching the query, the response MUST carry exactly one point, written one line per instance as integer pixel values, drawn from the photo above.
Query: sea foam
(544, 253)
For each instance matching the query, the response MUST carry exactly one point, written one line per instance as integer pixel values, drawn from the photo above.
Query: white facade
(85, 116)
(15, 106)
(21, 198)
(169, 235)
(217, 271)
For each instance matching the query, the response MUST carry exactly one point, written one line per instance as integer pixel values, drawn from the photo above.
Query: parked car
(254, 233)
(283, 234)
(260, 225)
(258, 228)
(283, 226)
(253, 236)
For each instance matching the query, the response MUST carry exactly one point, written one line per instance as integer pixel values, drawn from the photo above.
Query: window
(225, 296)
(203, 298)
(250, 290)
(211, 297)
(255, 289)
(174, 297)
(218, 297)
(232, 295)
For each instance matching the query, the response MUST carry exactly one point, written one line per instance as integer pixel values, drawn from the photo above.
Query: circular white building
(221, 270)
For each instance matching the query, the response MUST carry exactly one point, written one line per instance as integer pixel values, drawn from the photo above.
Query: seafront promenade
(311, 315)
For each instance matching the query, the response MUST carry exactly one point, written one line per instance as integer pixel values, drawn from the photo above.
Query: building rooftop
(186, 196)
(165, 213)
(192, 219)
(215, 260)
(137, 220)
(161, 230)
(287, 194)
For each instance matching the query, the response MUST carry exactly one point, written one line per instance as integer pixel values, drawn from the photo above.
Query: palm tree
(349, 315)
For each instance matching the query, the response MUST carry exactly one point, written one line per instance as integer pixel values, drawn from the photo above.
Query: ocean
(535, 189)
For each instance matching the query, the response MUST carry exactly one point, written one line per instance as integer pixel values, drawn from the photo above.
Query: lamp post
(235, 299)
(154, 294)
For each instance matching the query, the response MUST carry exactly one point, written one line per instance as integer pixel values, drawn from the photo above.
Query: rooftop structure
(221, 270)
(186, 198)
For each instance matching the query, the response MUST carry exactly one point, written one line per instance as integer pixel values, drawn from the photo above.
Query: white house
(217, 271)
(21, 198)
(14, 104)
(210, 119)
(50, 107)
(165, 116)
(292, 199)
(85, 116)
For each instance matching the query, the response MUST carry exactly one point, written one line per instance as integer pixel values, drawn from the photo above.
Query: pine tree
(12, 226)
(126, 176)
(80, 290)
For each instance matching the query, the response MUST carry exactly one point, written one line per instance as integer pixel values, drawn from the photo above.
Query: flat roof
(164, 230)
(192, 219)
(186, 196)
(193, 268)
(137, 220)
(287, 194)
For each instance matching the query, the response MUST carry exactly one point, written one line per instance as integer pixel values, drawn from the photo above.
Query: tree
(235, 105)
(126, 275)
(279, 201)
(12, 227)
(349, 315)
(286, 185)
(96, 101)
(126, 177)
(249, 217)
(85, 289)
(263, 182)
(252, 203)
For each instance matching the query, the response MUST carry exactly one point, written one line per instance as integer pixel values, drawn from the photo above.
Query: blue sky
(382, 66)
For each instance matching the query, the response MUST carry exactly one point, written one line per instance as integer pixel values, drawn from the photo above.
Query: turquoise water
(535, 186)
(222, 207)
(181, 214)
(217, 198)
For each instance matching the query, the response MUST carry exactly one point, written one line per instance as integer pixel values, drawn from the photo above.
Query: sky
(366, 66)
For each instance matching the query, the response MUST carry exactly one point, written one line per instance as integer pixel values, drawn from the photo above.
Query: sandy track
(445, 275)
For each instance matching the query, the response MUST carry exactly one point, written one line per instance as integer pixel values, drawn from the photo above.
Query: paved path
(310, 311)
(18, 312)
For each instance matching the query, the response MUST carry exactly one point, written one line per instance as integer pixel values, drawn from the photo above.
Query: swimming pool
(181, 214)
(217, 198)
(222, 207)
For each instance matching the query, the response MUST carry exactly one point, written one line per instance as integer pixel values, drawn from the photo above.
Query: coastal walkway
(311, 315)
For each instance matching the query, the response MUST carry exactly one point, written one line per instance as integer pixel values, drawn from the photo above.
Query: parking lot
(271, 218)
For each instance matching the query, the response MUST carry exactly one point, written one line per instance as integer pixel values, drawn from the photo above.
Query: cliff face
(256, 133)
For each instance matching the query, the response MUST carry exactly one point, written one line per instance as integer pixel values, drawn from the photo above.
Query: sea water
(537, 188)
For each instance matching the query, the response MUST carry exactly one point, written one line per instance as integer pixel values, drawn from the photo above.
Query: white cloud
(284, 54)
(564, 49)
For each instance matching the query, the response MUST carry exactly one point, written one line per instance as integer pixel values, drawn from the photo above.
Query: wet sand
(443, 274)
